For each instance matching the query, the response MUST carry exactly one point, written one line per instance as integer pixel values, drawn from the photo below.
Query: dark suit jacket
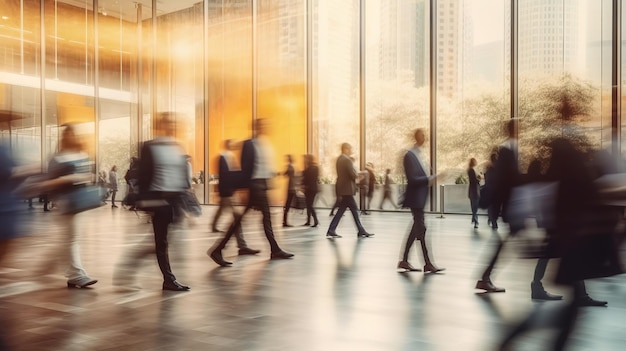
(309, 179)
(474, 185)
(507, 176)
(146, 167)
(346, 176)
(417, 182)
(227, 179)
(248, 155)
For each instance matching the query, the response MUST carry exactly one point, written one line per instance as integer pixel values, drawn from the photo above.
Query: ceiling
(127, 8)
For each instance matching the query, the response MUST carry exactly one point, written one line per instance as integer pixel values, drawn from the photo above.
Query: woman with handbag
(69, 170)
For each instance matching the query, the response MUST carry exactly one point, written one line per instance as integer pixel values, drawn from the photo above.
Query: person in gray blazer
(346, 189)
(419, 181)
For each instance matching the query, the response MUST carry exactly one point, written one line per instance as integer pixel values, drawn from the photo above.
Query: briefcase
(81, 198)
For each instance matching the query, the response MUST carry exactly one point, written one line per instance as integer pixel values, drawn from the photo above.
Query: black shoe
(81, 282)
(280, 255)
(407, 267)
(589, 302)
(306, 224)
(215, 230)
(248, 251)
(332, 235)
(365, 235)
(537, 292)
(331, 214)
(488, 286)
(175, 286)
(216, 256)
(431, 268)
(113, 206)
(285, 225)
(315, 225)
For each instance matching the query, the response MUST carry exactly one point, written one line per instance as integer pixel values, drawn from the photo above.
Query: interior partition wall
(324, 72)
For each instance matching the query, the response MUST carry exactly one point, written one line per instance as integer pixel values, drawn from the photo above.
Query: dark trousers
(474, 205)
(113, 193)
(257, 199)
(387, 196)
(290, 195)
(418, 232)
(347, 201)
(225, 204)
(309, 198)
(161, 220)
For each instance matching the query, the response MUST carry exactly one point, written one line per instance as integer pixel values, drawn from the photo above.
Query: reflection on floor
(342, 294)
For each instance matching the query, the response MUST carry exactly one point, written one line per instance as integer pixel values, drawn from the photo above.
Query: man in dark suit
(162, 178)
(419, 181)
(226, 187)
(256, 173)
(346, 189)
(507, 176)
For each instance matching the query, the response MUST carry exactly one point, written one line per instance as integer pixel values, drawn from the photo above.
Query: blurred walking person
(310, 179)
(162, 180)
(346, 189)
(387, 193)
(227, 173)
(474, 190)
(368, 187)
(68, 168)
(113, 185)
(257, 171)
(291, 189)
(507, 176)
(419, 181)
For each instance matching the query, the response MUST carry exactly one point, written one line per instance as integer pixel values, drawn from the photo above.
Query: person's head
(69, 139)
(165, 124)
(289, 158)
(472, 162)
(309, 159)
(493, 157)
(419, 137)
(114, 169)
(387, 171)
(261, 126)
(346, 149)
(229, 144)
(510, 128)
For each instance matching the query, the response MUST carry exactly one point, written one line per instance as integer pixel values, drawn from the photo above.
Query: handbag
(81, 198)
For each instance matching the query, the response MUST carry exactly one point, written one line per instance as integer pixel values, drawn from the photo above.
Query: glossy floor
(342, 294)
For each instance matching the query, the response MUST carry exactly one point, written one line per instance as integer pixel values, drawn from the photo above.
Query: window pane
(335, 85)
(281, 94)
(397, 83)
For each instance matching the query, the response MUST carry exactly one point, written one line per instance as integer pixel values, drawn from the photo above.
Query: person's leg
(474, 205)
(313, 213)
(351, 204)
(223, 204)
(258, 199)
(308, 199)
(113, 193)
(290, 195)
(75, 273)
(411, 237)
(341, 209)
(160, 221)
(485, 282)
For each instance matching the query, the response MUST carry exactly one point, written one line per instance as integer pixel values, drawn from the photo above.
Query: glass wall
(117, 73)
(230, 80)
(397, 84)
(473, 84)
(335, 86)
(218, 64)
(562, 73)
(20, 83)
(281, 85)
